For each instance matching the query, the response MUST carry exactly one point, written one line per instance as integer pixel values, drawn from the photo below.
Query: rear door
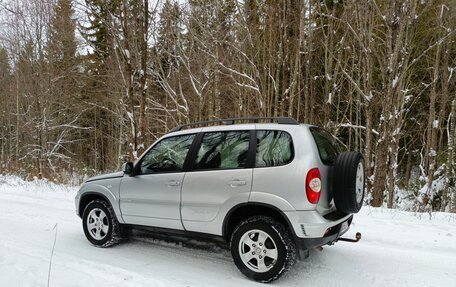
(219, 177)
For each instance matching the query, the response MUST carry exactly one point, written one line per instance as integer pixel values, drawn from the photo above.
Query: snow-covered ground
(397, 249)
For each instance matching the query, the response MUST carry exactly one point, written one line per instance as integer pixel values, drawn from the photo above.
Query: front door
(152, 196)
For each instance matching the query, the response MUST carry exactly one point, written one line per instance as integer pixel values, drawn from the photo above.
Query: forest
(86, 85)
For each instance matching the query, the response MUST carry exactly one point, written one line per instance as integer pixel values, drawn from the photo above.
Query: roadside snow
(397, 249)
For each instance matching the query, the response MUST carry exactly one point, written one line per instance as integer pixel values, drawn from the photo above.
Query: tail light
(313, 185)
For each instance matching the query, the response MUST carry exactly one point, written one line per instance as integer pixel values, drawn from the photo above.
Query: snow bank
(398, 249)
(408, 199)
(12, 182)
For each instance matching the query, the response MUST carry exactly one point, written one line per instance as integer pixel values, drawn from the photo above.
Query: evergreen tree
(97, 33)
(62, 43)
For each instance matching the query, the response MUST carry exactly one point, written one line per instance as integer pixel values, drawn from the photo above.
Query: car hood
(106, 176)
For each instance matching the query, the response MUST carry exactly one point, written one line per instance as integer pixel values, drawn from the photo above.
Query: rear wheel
(349, 182)
(100, 224)
(262, 248)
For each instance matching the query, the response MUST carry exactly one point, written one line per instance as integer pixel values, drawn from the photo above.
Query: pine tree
(62, 43)
(102, 79)
(97, 32)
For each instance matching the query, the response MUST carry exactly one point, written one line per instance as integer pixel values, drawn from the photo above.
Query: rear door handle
(172, 183)
(236, 182)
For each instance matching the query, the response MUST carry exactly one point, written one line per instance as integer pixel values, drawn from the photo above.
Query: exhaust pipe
(357, 238)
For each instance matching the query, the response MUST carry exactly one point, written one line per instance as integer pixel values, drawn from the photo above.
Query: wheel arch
(245, 210)
(88, 197)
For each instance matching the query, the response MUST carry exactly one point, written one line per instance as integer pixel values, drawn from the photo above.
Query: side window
(326, 144)
(167, 156)
(274, 148)
(223, 150)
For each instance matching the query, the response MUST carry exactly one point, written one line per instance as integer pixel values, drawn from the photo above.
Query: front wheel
(262, 248)
(100, 224)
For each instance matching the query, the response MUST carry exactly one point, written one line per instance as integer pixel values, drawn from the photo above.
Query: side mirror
(127, 168)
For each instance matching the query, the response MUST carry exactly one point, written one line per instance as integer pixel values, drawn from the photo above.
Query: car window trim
(193, 152)
(197, 141)
(251, 156)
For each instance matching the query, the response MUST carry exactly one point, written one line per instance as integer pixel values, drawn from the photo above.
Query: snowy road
(397, 249)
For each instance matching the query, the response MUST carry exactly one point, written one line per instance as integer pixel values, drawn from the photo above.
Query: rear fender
(271, 199)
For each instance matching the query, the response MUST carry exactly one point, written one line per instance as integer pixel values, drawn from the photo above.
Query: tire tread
(287, 239)
(116, 230)
(344, 182)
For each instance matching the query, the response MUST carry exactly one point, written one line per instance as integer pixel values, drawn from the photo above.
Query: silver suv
(271, 191)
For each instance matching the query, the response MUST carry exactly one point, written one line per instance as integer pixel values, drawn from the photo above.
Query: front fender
(106, 188)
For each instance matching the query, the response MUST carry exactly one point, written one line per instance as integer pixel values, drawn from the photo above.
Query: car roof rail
(232, 121)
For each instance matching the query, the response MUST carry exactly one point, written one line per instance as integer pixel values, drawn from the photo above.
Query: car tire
(263, 249)
(100, 224)
(349, 182)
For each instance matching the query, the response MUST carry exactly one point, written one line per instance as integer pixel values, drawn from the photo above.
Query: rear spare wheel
(348, 182)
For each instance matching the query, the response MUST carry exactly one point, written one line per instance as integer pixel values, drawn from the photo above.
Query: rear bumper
(311, 229)
(311, 224)
(330, 237)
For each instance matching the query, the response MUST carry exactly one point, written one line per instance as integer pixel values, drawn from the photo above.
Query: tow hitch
(357, 238)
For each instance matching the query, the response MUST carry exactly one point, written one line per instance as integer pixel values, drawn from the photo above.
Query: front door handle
(173, 183)
(237, 182)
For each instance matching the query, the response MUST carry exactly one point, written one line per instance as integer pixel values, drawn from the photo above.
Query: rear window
(274, 148)
(326, 144)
